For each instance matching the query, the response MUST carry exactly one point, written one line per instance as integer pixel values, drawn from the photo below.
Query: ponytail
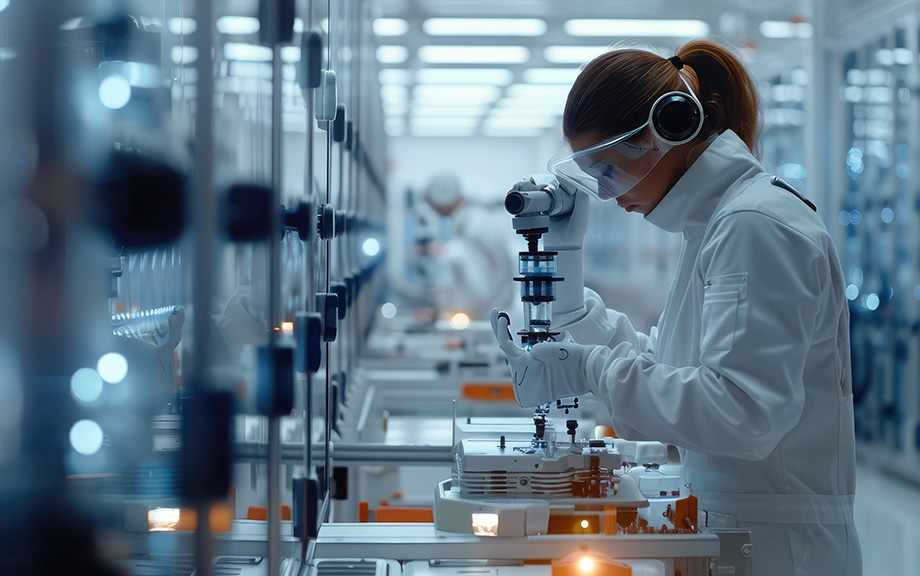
(726, 90)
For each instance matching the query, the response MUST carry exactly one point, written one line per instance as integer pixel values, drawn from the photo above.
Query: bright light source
(534, 104)
(290, 53)
(388, 310)
(442, 131)
(394, 76)
(473, 54)
(872, 301)
(786, 29)
(508, 132)
(163, 519)
(247, 52)
(394, 92)
(460, 321)
(852, 292)
(572, 54)
(181, 26)
(4, 4)
(541, 91)
(371, 247)
(521, 121)
(86, 385)
(496, 76)
(485, 524)
(183, 54)
(551, 75)
(392, 54)
(468, 93)
(887, 215)
(140, 75)
(586, 564)
(237, 25)
(636, 28)
(287, 327)
(484, 27)
(585, 523)
(86, 437)
(390, 27)
(448, 111)
(112, 367)
(114, 91)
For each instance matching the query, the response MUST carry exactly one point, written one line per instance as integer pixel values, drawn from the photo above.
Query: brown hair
(616, 90)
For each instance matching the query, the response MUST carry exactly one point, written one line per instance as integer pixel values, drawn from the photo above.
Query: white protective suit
(748, 370)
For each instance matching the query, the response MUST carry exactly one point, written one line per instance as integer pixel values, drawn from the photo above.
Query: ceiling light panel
(484, 27)
(390, 27)
(634, 28)
(237, 25)
(551, 91)
(247, 52)
(496, 76)
(392, 54)
(448, 111)
(572, 54)
(465, 93)
(395, 76)
(473, 54)
(565, 76)
(785, 29)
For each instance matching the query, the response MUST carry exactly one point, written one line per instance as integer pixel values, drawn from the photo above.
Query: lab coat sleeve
(595, 324)
(759, 313)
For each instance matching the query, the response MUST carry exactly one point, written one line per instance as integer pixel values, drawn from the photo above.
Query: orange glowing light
(460, 321)
(586, 564)
(287, 327)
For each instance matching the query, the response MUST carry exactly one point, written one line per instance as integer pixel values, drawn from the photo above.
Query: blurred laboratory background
(249, 249)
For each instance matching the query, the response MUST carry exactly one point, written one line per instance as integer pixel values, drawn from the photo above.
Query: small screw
(746, 550)
(523, 481)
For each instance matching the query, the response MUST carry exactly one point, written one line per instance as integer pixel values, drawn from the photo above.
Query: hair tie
(676, 61)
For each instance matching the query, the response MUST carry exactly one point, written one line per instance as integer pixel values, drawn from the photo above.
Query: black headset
(676, 117)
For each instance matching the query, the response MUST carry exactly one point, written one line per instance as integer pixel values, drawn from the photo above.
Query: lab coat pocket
(722, 296)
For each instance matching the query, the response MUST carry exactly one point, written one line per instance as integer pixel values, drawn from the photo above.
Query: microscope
(532, 210)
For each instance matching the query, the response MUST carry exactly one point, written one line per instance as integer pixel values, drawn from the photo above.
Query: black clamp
(327, 305)
(341, 291)
(338, 125)
(308, 333)
(298, 220)
(246, 212)
(276, 380)
(325, 222)
(310, 72)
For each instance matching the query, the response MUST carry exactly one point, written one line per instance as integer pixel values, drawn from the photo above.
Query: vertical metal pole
(328, 418)
(204, 229)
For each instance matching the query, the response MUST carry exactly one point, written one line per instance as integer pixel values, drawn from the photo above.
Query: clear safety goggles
(612, 167)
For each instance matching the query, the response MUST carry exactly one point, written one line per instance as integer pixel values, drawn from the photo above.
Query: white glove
(550, 370)
(566, 236)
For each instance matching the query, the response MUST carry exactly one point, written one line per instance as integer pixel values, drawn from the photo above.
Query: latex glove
(550, 370)
(566, 232)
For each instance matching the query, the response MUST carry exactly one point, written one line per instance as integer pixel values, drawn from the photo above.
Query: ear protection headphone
(676, 117)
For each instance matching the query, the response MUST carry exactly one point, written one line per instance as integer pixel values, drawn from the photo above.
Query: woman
(748, 368)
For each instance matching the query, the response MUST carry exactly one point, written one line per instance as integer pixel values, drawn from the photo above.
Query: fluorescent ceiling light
(183, 54)
(140, 75)
(390, 27)
(392, 54)
(517, 112)
(551, 75)
(473, 54)
(7, 54)
(250, 70)
(395, 92)
(635, 28)
(443, 122)
(512, 132)
(572, 54)
(394, 76)
(557, 91)
(521, 122)
(181, 26)
(290, 53)
(436, 132)
(247, 52)
(237, 25)
(395, 108)
(445, 111)
(785, 29)
(531, 104)
(298, 25)
(464, 93)
(496, 76)
(484, 27)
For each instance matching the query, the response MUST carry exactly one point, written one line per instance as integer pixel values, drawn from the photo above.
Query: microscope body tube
(552, 202)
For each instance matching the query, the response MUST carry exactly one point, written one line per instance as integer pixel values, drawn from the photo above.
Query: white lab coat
(748, 370)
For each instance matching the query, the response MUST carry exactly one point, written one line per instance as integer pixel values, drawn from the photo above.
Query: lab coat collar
(688, 206)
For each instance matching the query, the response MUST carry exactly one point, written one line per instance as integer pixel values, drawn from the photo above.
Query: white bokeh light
(371, 247)
(86, 437)
(115, 91)
(112, 367)
(86, 385)
(388, 310)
